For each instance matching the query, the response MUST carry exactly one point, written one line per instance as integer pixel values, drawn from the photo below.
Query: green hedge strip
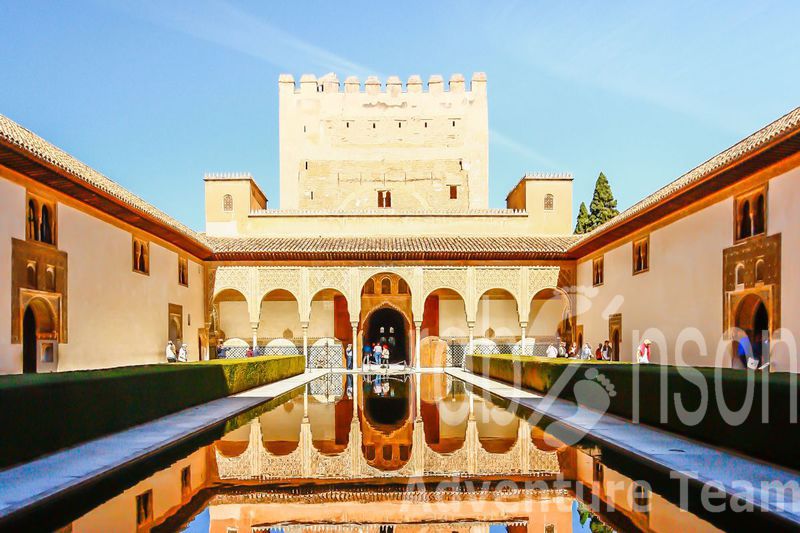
(774, 439)
(42, 413)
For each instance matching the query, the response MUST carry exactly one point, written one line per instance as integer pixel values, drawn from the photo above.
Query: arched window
(548, 202)
(45, 230)
(227, 203)
(758, 217)
(369, 286)
(740, 274)
(402, 287)
(33, 220)
(386, 286)
(745, 221)
(760, 271)
(31, 269)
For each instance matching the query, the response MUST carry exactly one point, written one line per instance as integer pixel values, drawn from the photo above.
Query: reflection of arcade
(387, 424)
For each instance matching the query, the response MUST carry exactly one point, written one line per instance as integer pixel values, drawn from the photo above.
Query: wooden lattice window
(549, 201)
(227, 203)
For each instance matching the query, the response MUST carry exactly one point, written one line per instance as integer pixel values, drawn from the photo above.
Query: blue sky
(155, 93)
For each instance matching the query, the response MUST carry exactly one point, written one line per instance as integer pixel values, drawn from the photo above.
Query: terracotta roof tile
(426, 247)
(788, 123)
(23, 138)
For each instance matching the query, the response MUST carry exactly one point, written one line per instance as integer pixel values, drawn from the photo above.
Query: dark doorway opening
(29, 342)
(615, 343)
(387, 326)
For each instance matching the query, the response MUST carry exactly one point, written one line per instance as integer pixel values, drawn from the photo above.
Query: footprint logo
(593, 393)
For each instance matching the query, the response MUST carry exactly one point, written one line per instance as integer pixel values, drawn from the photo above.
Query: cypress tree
(582, 224)
(604, 205)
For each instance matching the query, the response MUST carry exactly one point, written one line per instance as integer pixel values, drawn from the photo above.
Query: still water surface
(385, 453)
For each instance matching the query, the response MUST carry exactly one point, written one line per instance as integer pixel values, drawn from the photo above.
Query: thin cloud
(512, 145)
(221, 23)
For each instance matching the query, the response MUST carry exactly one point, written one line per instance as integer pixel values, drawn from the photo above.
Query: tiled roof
(16, 135)
(389, 247)
(788, 123)
(389, 212)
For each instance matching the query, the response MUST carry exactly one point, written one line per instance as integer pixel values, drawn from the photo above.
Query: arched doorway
(752, 318)
(29, 342)
(386, 303)
(387, 325)
(615, 344)
(38, 322)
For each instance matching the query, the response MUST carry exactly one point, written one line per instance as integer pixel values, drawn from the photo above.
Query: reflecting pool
(383, 453)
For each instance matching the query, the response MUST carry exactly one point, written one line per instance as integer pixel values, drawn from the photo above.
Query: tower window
(227, 203)
(548, 202)
(306, 165)
(760, 271)
(384, 199)
(40, 220)
(454, 192)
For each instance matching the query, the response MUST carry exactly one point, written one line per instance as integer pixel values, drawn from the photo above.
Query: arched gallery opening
(386, 316)
(548, 316)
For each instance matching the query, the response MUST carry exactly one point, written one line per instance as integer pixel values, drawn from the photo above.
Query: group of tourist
(181, 356)
(376, 353)
(604, 351)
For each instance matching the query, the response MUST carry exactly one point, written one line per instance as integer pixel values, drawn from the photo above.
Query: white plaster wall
(452, 319)
(682, 289)
(234, 320)
(276, 317)
(784, 218)
(118, 316)
(544, 317)
(500, 315)
(12, 224)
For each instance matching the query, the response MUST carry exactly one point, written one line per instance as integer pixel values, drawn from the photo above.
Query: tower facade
(412, 147)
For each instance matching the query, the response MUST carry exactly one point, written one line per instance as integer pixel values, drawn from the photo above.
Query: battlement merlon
(329, 83)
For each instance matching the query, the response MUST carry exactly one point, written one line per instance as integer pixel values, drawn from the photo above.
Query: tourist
(348, 353)
(562, 349)
(598, 353)
(586, 352)
(643, 353)
(606, 351)
(573, 350)
(377, 350)
(385, 356)
(170, 352)
(249, 352)
(366, 354)
(183, 354)
(552, 352)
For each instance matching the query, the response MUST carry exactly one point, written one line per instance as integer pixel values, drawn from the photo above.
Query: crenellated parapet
(393, 86)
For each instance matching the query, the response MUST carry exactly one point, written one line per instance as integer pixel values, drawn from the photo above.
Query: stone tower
(410, 148)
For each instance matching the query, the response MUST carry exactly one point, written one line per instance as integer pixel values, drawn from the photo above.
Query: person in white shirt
(552, 351)
(170, 352)
(183, 354)
(377, 352)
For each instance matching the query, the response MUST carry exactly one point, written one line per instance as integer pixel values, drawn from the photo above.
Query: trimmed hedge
(42, 413)
(775, 440)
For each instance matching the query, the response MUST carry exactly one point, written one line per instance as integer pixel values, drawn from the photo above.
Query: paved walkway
(34, 483)
(664, 451)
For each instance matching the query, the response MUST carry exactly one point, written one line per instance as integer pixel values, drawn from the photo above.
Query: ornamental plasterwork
(328, 278)
(237, 278)
(444, 278)
(541, 278)
(270, 279)
(497, 278)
